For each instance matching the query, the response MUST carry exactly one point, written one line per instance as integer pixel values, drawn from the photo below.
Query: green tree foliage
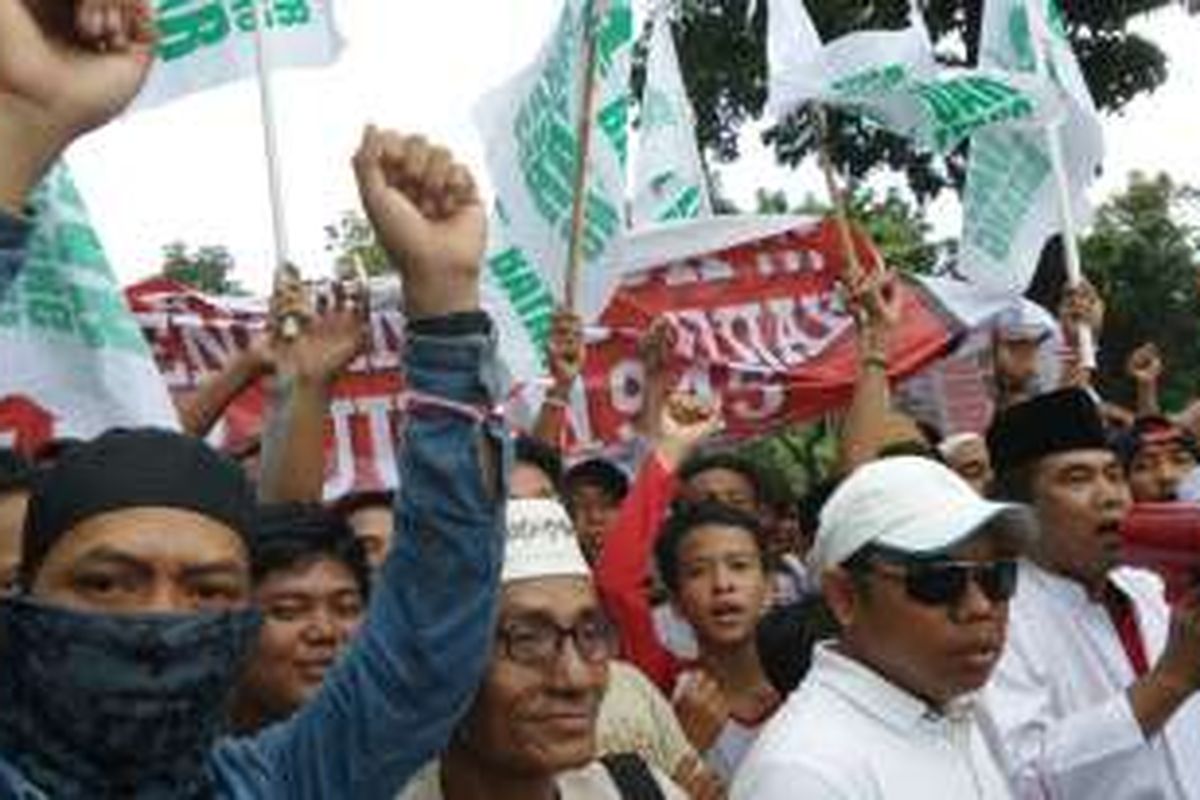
(898, 228)
(1143, 256)
(206, 268)
(352, 241)
(723, 57)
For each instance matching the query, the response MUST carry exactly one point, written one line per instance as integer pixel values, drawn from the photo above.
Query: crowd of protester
(946, 614)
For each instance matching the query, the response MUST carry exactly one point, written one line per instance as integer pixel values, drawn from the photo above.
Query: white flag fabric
(75, 362)
(1011, 205)
(206, 43)
(892, 79)
(669, 180)
(531, 128)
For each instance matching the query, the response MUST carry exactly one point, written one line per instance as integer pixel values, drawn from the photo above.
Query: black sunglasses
(944, 583)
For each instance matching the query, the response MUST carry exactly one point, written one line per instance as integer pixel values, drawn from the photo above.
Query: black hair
(291, 535)
(731, 461)
(598, 472)
(1013, 485)
(538, 454)
(685, 517)
(348, 504)
(16, 472)
(786, 637)
(808, 507)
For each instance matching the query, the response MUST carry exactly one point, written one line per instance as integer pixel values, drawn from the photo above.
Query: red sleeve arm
(623, 572)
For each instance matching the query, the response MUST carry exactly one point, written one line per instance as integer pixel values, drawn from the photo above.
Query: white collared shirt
(1059, 696)
(849, 734)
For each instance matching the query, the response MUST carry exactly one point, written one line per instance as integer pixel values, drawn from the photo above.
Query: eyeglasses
(537, 642)
(944, 583)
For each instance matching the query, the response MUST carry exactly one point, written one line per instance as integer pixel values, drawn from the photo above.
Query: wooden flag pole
(1074, 265)
(290, 325)
(837, 197)
(587, 112)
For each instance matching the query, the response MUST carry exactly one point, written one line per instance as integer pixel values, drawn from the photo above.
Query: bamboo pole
(587, 112)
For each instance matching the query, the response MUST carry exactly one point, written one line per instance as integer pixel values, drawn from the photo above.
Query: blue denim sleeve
(14, 235)
(392, 703)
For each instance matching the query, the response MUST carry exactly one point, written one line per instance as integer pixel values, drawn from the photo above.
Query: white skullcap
(541, 543)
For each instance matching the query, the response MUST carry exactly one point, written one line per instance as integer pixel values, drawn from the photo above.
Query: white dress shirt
(1059, 697)
(849, 734)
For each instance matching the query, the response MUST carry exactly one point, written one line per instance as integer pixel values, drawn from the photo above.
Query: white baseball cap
(906, 503)
(540, 542)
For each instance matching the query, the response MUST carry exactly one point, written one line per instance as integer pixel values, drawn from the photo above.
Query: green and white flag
(531, 129)
(75, 361)
(1011, 205)
(893, 81)
(206, 43)
(669, 181)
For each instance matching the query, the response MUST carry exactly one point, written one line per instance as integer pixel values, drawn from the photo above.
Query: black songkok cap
(1050, 423)
(122, 469)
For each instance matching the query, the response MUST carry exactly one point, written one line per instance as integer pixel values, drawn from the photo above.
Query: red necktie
(1120, 609)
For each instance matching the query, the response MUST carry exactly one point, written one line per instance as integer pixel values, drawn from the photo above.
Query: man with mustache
(1095, 694)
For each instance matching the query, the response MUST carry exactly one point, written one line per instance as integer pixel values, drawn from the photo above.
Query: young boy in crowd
(712, 559)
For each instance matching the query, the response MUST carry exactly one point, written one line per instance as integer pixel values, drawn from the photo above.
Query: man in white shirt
(1095, 693)
(918, 570)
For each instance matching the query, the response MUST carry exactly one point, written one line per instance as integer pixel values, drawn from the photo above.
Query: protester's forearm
(1147, 399)
(654, 399)
(623, 571)
(199, 412)
(26, 154)
(864, 427)
(551, 423)
(393, 701)
(293, 453)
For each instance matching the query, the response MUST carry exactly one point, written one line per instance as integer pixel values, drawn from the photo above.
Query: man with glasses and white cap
(531, 733)
(918, 570)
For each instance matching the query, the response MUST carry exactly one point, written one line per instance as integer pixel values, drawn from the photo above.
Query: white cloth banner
(892, 79)
(669, 180)
(75, 362)
(531, 127)
(206, 43)
(1011, 205)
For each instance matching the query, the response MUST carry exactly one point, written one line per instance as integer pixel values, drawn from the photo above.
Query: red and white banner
(759, 322)
(193, 335)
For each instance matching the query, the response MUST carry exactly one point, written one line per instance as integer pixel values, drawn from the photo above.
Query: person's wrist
(440, 299)
(24, 163)
(560, 389)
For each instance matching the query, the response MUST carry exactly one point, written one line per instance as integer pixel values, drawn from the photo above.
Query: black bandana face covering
(98, 706)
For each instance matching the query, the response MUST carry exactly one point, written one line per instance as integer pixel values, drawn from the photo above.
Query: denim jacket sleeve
(392, 703)
(14, 235)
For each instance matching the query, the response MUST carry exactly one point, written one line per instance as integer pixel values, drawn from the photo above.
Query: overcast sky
(194, 170)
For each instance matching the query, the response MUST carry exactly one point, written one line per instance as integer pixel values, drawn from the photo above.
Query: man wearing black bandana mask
(132, 611)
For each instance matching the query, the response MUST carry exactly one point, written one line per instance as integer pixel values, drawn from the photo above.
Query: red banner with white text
(760, 323)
